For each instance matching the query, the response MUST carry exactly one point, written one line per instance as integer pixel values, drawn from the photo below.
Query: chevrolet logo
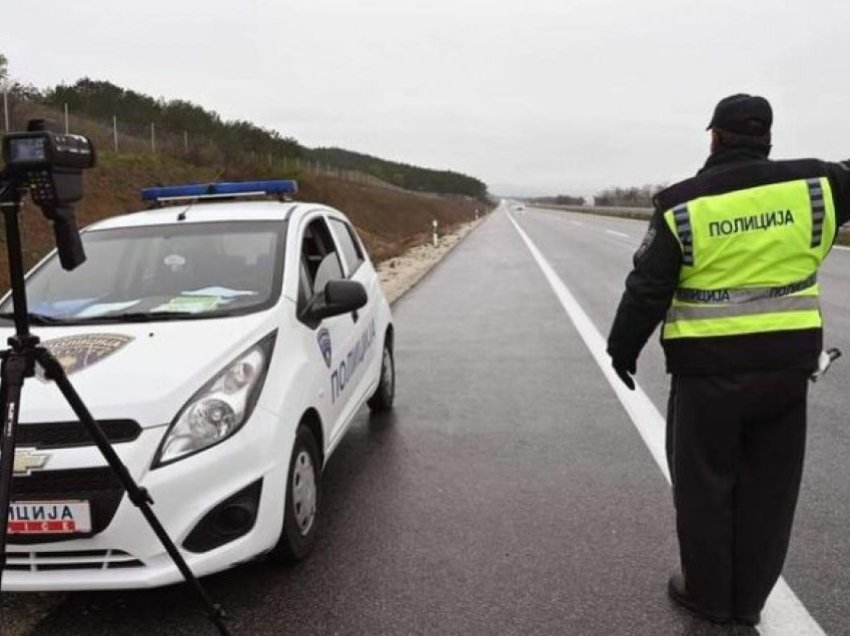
(27, 461)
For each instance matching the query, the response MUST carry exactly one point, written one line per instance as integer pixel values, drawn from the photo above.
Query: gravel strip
(399, 274)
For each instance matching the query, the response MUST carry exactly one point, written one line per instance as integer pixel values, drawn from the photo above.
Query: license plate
(49, 517)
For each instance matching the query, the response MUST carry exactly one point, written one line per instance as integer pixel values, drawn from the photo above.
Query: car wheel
(303, 492)
(384, 395)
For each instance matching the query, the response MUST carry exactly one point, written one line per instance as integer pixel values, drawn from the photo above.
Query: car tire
(303, 494)
(382, 400)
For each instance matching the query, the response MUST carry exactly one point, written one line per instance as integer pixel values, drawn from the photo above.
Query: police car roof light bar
(219, 190)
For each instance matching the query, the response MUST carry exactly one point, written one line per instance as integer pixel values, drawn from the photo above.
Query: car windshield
(188, 270)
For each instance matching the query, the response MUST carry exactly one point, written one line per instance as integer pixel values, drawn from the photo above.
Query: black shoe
(677, 591)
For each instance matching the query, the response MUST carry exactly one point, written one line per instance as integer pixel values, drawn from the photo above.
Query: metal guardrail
(843, 237)
(629, 213)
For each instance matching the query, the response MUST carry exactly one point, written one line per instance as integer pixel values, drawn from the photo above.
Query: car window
(329, 269)
(203, 269)
(319, 259)
(348, 245)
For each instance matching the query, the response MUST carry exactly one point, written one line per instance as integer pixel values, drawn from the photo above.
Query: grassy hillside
(389, 220)
(184, 127)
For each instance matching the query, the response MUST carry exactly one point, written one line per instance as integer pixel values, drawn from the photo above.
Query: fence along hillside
(118, 137)
(125, 121)
(389, 219)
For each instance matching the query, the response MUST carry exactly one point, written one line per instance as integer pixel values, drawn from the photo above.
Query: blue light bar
(217, 190)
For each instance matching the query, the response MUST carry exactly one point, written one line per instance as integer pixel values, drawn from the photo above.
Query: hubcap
(304, 492)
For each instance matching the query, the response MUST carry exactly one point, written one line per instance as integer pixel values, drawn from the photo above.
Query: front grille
(77, 560)
(73, 434)
(99, 486)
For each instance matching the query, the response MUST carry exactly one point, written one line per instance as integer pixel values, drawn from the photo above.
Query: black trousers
(735, 448)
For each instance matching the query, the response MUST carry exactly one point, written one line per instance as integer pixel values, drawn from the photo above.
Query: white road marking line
(843, 248)
(783, 614)
(579, 223)
(645, 416)
(616, 233)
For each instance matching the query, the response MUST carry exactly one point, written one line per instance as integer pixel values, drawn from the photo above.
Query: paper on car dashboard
(192, 304)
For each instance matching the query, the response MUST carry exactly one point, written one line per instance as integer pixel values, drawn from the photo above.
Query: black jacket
(652, 283)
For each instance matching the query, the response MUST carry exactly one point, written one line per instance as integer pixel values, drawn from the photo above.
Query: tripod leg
(139, 496)
(13, 371)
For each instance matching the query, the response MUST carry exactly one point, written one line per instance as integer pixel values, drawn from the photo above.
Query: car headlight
(220, 408)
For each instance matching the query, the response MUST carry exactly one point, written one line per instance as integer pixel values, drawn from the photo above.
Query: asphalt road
(509, 493)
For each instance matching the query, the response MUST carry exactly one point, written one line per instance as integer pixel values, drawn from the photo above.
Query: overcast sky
(533, 97)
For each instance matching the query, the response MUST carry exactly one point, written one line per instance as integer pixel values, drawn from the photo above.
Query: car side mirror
(340, 297)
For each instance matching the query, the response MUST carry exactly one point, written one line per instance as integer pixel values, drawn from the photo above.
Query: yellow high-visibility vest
(750, 259)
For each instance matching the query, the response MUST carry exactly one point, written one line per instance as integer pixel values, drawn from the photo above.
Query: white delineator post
(115, 133)
(436, 237)
(67, 126)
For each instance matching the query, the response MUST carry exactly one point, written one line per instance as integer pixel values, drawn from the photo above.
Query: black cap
(743, 114)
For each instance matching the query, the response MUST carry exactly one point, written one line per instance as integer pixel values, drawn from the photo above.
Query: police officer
(729, 264)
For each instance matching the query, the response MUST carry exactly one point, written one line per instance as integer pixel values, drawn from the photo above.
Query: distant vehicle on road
(224, 347)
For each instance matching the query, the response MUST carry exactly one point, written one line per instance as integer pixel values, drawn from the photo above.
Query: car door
(367, 344)
(319, 262)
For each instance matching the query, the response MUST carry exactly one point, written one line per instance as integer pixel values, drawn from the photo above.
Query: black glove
(625, 370)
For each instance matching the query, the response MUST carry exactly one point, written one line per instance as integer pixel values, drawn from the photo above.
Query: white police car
(224, 347)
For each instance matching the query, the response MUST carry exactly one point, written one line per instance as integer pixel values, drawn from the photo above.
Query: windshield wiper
(36, 319)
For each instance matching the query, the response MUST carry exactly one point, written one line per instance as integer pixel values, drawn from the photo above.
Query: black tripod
(18, 363)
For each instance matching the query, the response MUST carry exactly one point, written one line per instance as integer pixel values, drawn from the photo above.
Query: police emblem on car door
(323, 338)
